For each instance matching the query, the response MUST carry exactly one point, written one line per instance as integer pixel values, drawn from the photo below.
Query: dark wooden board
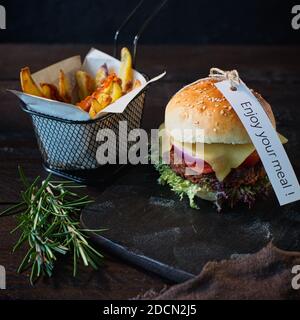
(148, 226)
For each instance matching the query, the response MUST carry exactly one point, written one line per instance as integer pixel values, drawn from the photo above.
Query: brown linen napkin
(266, 274)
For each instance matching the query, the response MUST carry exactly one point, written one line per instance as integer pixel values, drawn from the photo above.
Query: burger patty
(237, 177)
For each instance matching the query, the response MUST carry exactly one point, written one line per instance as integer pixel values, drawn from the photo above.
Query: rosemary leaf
(48, 221)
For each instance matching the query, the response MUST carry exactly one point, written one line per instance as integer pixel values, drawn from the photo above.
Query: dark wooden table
(274, 71)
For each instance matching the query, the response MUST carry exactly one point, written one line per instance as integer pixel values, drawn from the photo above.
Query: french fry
(126, 73)
(98, 104)
(46, 90)
(104, 91)
(101, 75)
(95, 106)
(64, 87)
(86, 103)
(92, 113)
(116, 92)
(106, 86)
(86, 84)
(50, 91)
(136, 84)
(103, 101)
(27, 83)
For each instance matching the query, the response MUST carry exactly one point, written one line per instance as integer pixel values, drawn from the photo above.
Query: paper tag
(265, 140)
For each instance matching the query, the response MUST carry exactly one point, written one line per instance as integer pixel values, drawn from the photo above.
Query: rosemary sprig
(49, 224)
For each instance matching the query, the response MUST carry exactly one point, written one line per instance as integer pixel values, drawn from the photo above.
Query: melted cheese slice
(221, 157)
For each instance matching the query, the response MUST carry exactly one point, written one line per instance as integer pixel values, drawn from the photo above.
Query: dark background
(180, 21)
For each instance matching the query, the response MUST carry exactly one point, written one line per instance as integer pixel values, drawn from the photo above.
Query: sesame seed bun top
(201, 105)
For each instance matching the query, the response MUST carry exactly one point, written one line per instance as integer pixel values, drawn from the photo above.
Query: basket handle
(136, 38)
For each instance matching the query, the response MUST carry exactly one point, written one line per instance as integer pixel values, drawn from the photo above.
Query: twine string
(232, 76)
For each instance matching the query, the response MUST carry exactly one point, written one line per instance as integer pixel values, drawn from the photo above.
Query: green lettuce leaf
(246, 194)
(179, 185)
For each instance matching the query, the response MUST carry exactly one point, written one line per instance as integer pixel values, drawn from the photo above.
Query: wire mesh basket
(67, 146)
(73, 145)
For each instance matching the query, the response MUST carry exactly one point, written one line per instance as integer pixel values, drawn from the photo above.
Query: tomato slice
(251, 160)
(200, 167)
(206, 168)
